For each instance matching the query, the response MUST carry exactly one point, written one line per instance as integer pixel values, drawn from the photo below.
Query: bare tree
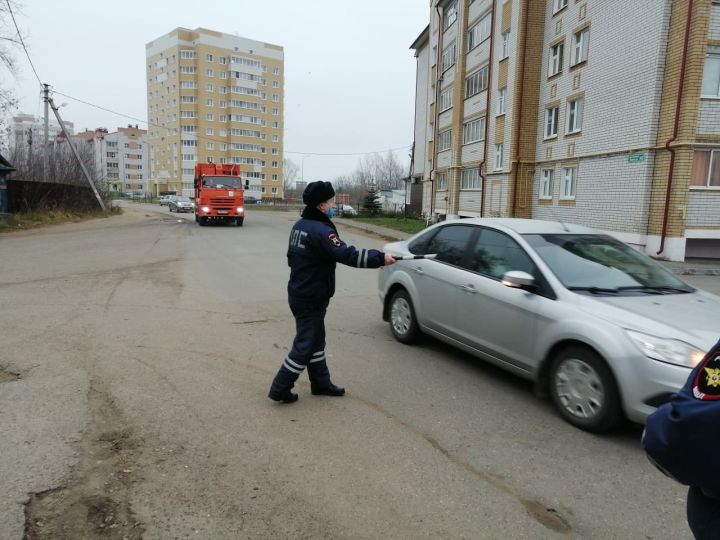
(290, 174)
(9, 42)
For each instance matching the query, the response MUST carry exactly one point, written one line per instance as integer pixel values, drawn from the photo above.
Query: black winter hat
(318, 192)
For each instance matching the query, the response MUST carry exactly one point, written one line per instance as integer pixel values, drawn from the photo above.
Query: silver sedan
(605, 330)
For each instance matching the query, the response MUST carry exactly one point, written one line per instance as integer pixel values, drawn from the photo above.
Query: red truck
(219, 193)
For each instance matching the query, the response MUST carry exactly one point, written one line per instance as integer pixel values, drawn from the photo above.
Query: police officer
(683, 439)
(314, 249)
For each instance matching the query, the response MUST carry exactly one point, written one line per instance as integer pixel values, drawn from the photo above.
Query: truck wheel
(202, 221)
(239, 221)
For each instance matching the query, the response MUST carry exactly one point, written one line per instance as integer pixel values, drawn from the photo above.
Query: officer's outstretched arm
(349, 255)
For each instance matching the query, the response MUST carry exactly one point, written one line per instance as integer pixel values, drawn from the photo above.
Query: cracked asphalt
(135, 358)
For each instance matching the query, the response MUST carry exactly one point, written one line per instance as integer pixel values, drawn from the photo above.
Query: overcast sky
(349, 72)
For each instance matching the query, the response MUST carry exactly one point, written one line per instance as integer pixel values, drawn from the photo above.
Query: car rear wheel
(403, 323)
(584, 390)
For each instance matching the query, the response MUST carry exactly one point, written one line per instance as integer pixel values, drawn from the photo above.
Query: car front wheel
(584, 390)
(403, 323)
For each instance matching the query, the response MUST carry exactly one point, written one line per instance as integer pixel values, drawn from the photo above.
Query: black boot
(327, 390)
(285, 396)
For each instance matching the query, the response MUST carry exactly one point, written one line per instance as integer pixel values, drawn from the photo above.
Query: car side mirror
(517, 279)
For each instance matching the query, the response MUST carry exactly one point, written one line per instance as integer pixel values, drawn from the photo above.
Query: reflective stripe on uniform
(293, 366)
(318, 357)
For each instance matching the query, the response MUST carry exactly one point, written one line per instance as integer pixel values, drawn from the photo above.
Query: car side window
(450, 243)
(419, 244)
(495, 253)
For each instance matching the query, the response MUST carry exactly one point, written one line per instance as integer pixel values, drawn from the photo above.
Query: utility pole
(46, 97)
(77, 156)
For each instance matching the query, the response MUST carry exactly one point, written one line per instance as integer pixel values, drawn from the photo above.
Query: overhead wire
(207, 138)
(22, 42)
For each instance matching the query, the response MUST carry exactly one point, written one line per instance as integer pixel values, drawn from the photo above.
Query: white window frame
(711, 73)
(446, 99)
(505, 47)
(479, 32)
(449, 14)
(208, 57)
(558, 5)
(441, 181)
(556, 58)
(474, 130)
(470, 178)
(569, 184)
(476, 82)
(499, 150)
(546, 184)
(502, 97)
(552, 115)
(575, 109)
(580, 46)
(448, 57)
(714, 154)
(445, 140)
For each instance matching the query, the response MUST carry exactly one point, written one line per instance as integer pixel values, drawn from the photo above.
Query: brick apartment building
(599, 112)
(215, 97)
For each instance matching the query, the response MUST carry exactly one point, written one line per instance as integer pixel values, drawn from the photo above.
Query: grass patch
(407, 225)
(42, 218)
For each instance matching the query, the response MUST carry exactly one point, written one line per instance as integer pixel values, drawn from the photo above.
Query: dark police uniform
(683, 439)
(314, 250)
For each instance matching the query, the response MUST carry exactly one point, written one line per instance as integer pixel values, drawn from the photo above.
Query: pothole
(8, 376)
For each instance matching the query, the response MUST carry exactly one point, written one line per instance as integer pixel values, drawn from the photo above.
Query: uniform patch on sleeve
(707, 380)
(334, 239)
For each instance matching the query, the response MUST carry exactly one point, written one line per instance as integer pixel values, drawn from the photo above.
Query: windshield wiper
(657, 289)
(594, 290)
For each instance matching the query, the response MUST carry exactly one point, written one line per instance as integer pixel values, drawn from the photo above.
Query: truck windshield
(222, 182)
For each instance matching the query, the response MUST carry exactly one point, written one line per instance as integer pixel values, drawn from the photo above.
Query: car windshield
(599, 264)
(222, 181)
(183, 199)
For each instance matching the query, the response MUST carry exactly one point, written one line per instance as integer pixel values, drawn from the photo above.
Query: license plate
(221, 212)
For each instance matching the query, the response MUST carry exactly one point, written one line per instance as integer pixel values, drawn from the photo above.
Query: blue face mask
(330, 213)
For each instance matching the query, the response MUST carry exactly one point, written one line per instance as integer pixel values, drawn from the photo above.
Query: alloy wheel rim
(400, 316)
(579, 388)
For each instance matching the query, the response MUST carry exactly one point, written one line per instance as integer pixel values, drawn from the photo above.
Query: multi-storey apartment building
(605, 113)
(121, 159)
(26, 128)
(215, 97)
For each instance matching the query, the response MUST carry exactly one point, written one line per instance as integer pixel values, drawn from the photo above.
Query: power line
(23, 42)
(208, 139)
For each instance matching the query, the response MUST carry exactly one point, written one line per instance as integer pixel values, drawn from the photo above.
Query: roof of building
(421, 39)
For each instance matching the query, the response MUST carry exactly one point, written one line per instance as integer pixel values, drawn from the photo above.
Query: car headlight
(671, 351)
(240, 209)
(206, 209)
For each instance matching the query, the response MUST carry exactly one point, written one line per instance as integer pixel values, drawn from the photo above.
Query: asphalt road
(135, 359)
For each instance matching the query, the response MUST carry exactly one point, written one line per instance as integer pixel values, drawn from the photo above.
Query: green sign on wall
(636, 158)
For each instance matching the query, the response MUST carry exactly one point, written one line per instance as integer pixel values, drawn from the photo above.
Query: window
(476, 82)
(222, 60)
(209, 87)
(470, 179)
(187, 54)
(275, 111)
(450, 243)
(209, 102)
(546, 184)
(275, 97)
(276, 125)
(275, 138)
(711, 73)
(208, 57)
(445, 140)
(575, 115)
(479, 32)
(209, 146)
(275, 152)
(555, 65)
(209, 117)
(558, 5)
(501, 101)
(275, 84)
(474, 130)
(208, 131)
(446, 99)
(580, 46)
(569, 181)
(187, 99)
(448, 57)
(209, 72)
(273, 190)
(496, 253)
(274, 177)
(189, 157)
(450, 14)
(223, 74)
(274, 164)
(441, 181)
(498, 157)
(188, 114)
(276, 71)
(187, 69)
(706, 168)
(551, 122)
(188, 84)
(505, 50)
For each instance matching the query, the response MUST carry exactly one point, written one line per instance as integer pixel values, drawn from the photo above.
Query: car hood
(691, 317)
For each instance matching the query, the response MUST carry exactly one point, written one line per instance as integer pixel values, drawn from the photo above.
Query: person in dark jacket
(682, 438)
(314, 250)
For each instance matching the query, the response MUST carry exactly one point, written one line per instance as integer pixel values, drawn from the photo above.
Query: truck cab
(219, 194)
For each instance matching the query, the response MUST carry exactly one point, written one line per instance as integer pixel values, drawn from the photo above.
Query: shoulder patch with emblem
(706, 385)
(334, 239)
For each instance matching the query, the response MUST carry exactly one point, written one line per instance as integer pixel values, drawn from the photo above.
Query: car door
(497, 320)
(436, 280)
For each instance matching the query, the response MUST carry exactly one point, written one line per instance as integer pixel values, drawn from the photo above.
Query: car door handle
(419, 270)
(469, 289)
